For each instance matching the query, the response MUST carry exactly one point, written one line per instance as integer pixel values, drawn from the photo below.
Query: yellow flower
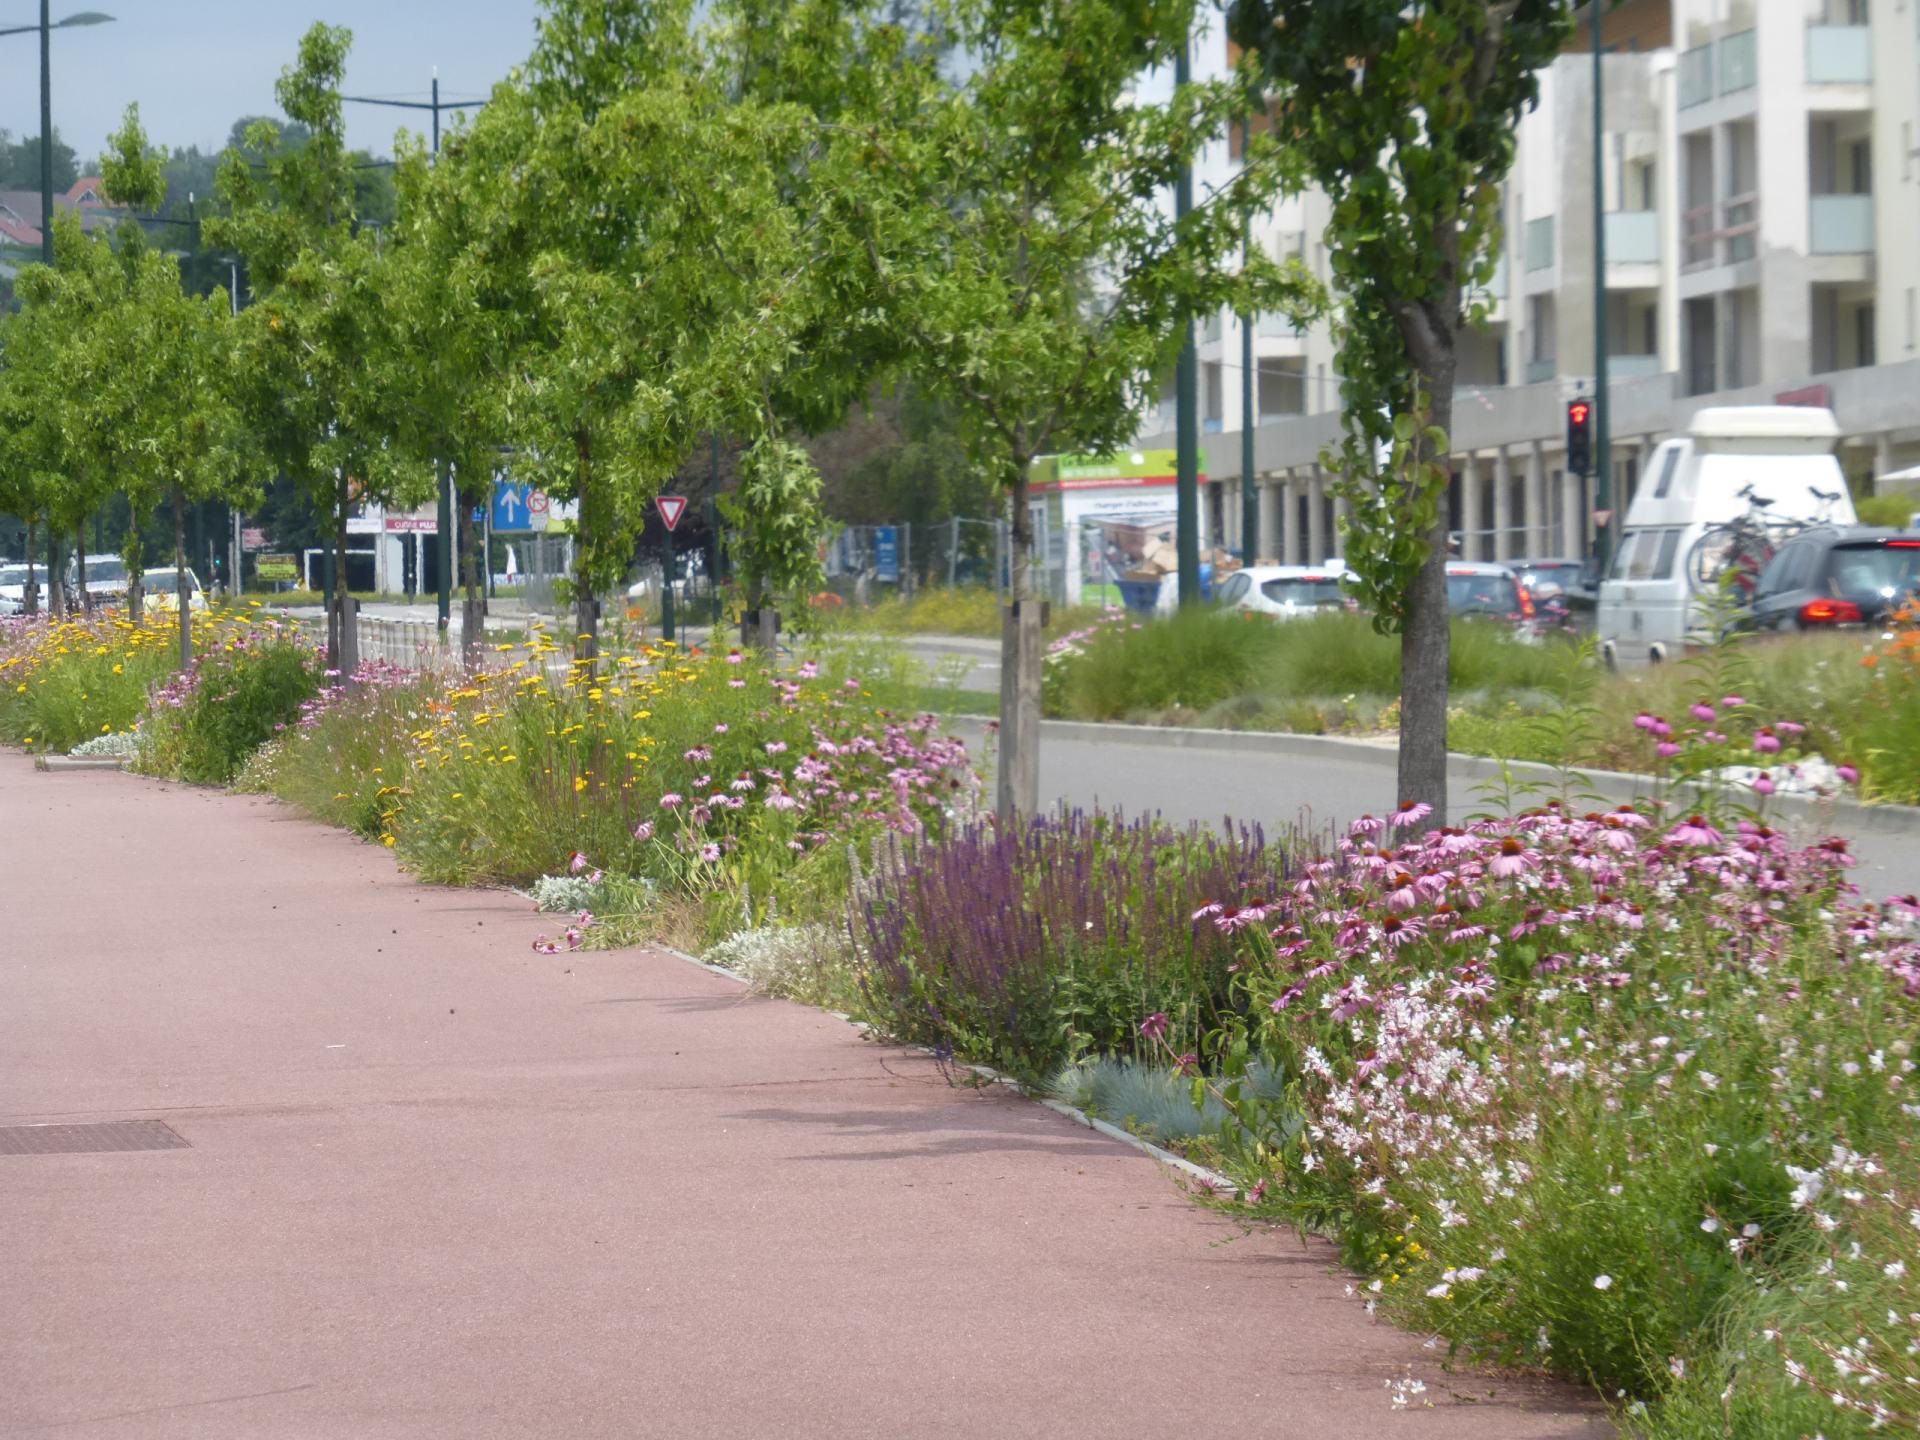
(579, 783)
(387, 840)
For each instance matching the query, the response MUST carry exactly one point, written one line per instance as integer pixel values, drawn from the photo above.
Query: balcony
(1632, 367)
(1739, 58)
(1540, 243)
(1210, 328)
(1841, 225)
(1696, 76)
(1633, 237)
(1540, 371)
(1839, 55)
(1274, 326)
(1704, 243)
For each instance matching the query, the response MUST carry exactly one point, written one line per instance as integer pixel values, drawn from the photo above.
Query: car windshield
(13, 574)
(1304, 590)
(1883, 568)
(1483, 594)
(163, 580)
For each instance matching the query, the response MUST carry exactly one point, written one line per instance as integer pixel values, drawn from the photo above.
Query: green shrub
(207, 722)
(62, 684)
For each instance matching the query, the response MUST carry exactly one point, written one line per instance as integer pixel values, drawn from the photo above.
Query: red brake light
(1830, 612)
(1903, 544)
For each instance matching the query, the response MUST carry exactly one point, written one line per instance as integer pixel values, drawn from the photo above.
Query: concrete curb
(1212, 1179)
(79, 762)
(1615, 784)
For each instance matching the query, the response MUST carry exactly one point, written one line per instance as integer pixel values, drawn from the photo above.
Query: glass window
(1304, 590)
(1667, 467)
(1623, 557)
(1236, 586)
(1867, 571)
(1491, 594)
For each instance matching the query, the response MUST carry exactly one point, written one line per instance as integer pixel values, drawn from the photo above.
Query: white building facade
(1761, 199)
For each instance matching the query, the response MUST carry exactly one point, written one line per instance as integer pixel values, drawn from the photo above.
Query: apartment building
(1760, 198)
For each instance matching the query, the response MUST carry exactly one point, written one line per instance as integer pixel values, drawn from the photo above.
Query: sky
(197, 65)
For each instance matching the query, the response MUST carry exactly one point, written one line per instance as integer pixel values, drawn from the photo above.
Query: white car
(13, 586)
(161, 590)
(1285, 592)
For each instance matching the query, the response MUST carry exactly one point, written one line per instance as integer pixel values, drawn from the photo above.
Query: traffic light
(1580, 436)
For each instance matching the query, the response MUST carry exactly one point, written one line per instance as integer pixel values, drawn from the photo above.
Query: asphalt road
(433, 1184)
(1329, 783)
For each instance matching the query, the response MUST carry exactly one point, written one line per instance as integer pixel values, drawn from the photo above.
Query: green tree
(1403, 112)
(1038, 278)
(20, 162)
(316, 356)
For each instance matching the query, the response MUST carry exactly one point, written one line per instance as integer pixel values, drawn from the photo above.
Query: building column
(1882, 454)
(1265, 543)
(1472, 508)
(1342, 514)
(1503, 536)
(1573, 524)
(1316, 536)
(1539, 518)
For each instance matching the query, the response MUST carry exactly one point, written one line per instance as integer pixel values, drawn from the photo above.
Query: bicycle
(1730, 556)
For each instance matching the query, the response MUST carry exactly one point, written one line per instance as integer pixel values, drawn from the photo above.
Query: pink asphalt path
(439, 1185)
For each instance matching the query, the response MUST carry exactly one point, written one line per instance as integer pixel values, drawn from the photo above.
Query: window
(1623, 557)
(1647, 554)
(1304, 590)
(1237, 585)
(1667, 467)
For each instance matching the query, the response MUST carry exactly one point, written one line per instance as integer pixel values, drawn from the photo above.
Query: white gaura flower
(1603, 1282)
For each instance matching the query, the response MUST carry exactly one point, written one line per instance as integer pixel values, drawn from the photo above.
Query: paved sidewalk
(439, 1185)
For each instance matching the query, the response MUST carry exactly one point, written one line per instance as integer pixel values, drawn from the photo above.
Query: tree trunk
(1021, 633)
(180, 594)
(134, 558)
(586, 607)
(56, 578)
(472, 626)
(1426, 641)
(30, 596)
(80, 560)
(343, 632)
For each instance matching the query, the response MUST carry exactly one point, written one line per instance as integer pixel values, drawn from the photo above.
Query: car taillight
(1903, 544)
(1526, 602)
(1830, 612)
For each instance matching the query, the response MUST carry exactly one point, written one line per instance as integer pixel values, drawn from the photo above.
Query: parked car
(106, 578)
(1480, 590)
(13, 586)
(162, 590)
(1284, 592)
(1706, 504)
(1573, 582)
(1823, 579)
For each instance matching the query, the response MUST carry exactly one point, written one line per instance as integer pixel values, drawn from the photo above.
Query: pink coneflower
(809, 670)
(1790, 728)
(1643, 721)
(776, 747)
(734, 657)
(1763, 784)
(1154, 1027)
(1212, 907)
(643, 832)
(698, 755)
(1367, 825)
(1630, 817)
(1848, 775)
(1662, 728)
(1401, 894)
(1666, 749)
(1514, 858)
(545, 946)
(1731, 701)
(1411, 812)
(710, 852)
(576, 862)
(1703, 712)
(721, 728)
(1695, 830)
(1765, 741)
(1398, 930)
(672, 801)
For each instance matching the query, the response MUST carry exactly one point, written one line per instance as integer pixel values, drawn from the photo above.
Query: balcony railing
(1275, 326)
(1632, 367)
(1696, 76)
(1839, 54)
(1739, 62)
(1210, 328)
(1633, 237)
(1539, 371)
(1841, 225)
(1540, 243)
(1704, 243)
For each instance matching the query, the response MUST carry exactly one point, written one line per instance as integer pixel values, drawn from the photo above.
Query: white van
(1774, 462)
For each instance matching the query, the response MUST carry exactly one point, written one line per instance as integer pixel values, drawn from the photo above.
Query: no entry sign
(671, 508)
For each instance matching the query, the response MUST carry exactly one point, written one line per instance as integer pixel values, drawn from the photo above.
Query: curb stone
(1212, 1179)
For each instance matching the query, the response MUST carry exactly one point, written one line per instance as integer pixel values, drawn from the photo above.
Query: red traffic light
(1578, 411)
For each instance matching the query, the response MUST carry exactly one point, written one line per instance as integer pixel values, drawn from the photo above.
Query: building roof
(20, 216)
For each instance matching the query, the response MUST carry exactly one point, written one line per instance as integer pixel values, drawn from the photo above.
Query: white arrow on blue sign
(509, 508)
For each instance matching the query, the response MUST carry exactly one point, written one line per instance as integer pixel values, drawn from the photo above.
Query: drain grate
(89, 1139)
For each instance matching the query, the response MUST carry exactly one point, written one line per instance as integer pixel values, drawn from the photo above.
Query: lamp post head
(85, 17)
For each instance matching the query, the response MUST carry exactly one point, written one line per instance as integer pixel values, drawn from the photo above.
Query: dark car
(1571, 581)
(1486, 591)
(1843, 576)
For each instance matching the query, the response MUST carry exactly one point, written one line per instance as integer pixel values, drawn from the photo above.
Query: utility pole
(443, 521)
(1186, 393)
(233, 582)
(1602, 440)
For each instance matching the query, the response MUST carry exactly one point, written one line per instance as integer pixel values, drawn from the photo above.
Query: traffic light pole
(1602, 449)
(1186, 401)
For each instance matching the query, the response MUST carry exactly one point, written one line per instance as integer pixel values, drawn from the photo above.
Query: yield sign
(1601, 517)
(671, 508)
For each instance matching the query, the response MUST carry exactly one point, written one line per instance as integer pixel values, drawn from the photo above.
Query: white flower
(1603, 1282)
(1750, 1231)
(1807, 1186)
(1893, 1269)
(1710, 1225)
(1439, 1292)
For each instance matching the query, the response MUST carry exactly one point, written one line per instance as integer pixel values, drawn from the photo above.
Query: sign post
(671, 508)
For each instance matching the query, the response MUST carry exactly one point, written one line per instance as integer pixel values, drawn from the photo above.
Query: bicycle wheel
(1728, 557)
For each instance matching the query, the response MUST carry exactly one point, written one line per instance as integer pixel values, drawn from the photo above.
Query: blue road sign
(509, 507)
(886, 553)
(479, 515)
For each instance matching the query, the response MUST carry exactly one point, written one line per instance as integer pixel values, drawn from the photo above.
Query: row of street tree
(736, 218)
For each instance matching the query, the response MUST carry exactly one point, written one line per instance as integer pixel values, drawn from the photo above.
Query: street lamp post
(444, 514)
(1186, 396)
(1602, 447)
